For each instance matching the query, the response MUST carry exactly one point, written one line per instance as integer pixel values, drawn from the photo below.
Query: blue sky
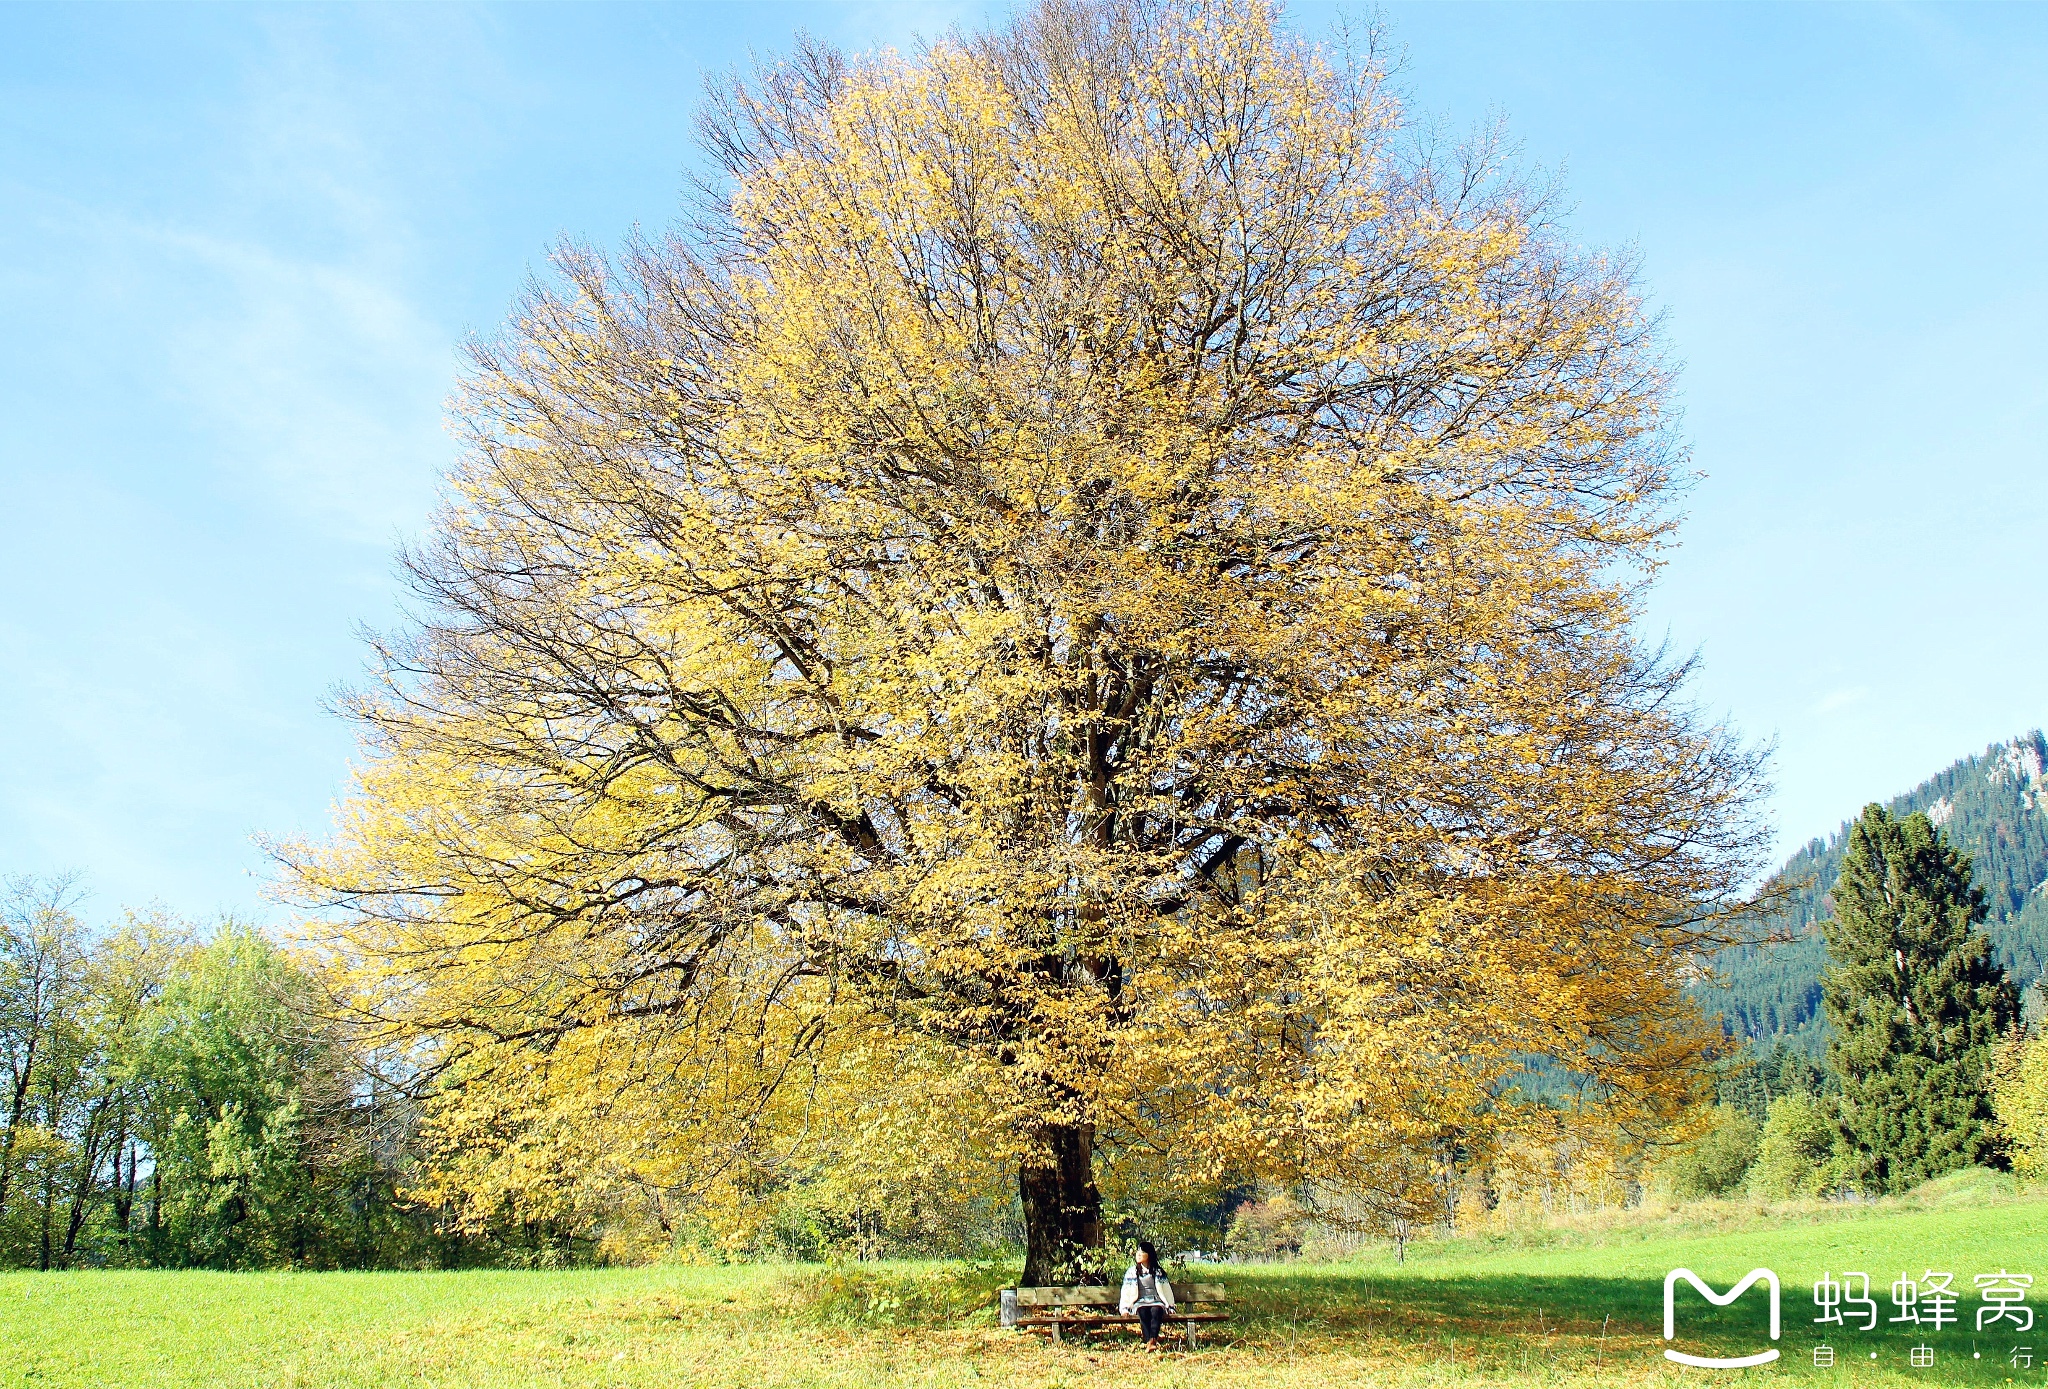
(239, 246)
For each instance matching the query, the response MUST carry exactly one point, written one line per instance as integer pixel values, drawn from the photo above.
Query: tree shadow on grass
(1506, 1324)
(1340, 1302)
(1499, 1321)
(1502, 1324)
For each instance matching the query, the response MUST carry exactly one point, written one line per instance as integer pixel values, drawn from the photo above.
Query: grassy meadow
(1572, 1303)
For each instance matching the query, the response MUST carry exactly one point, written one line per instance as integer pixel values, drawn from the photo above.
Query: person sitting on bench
(1147, 1293)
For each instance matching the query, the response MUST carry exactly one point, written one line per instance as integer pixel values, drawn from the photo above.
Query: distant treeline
(172, 1098)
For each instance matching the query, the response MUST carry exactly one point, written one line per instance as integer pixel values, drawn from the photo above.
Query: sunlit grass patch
(899, 1294)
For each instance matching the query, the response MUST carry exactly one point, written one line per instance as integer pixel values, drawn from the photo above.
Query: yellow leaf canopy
(1084, 596)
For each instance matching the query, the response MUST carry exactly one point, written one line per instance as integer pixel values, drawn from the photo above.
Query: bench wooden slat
(1117, 1320)
(1067, 1297)
(1178, 1314)
(1107, 1297)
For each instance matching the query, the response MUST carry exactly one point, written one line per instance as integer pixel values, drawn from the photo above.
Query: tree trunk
(49, 1209)
(15, 1107)
(1063, 1236)
(92, 1148)
(124, 1188)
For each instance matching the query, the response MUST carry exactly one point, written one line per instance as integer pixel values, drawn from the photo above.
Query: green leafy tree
(42, 970)
(1917, 1003)
(249, 1100)
(1715, 1163)
(91, 1095)
(2019, 1092)
(1796, 1154)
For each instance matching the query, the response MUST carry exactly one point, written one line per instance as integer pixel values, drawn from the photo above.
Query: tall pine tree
(1916, 1000)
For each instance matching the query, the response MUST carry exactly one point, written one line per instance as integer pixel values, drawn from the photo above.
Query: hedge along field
(1576, 1306)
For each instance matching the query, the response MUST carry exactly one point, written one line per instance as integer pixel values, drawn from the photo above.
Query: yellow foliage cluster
(1081, 604)
(2019, 1095)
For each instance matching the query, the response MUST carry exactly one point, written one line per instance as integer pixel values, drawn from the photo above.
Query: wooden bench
(1092, 1307)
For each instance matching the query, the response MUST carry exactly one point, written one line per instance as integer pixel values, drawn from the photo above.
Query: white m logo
(1763, 1357)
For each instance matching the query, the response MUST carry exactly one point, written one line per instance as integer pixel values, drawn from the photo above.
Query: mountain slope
(1994, 807)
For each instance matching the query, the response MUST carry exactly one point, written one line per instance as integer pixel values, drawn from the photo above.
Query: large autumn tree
(1077, 609)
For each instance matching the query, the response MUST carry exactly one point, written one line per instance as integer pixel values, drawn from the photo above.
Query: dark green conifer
(1916, 1001)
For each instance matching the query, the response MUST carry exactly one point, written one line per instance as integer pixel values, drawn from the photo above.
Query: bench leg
(1055, 1332)
(1191, 1335)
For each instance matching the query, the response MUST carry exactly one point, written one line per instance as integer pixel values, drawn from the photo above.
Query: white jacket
(1128, 1302)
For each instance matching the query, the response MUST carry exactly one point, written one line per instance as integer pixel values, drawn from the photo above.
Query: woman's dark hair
(1151, 1254)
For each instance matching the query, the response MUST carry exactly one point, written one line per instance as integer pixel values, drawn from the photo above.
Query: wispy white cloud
(321, 381)
(1837, 700)
(267, 296)
(314, 379)
(223, 400)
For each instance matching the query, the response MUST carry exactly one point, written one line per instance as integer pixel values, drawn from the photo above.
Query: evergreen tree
(1916, 1000)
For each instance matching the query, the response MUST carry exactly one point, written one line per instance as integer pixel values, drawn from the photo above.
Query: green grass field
(1579, 1304)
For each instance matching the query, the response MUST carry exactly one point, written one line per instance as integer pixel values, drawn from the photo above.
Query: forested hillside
(1993, 806)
